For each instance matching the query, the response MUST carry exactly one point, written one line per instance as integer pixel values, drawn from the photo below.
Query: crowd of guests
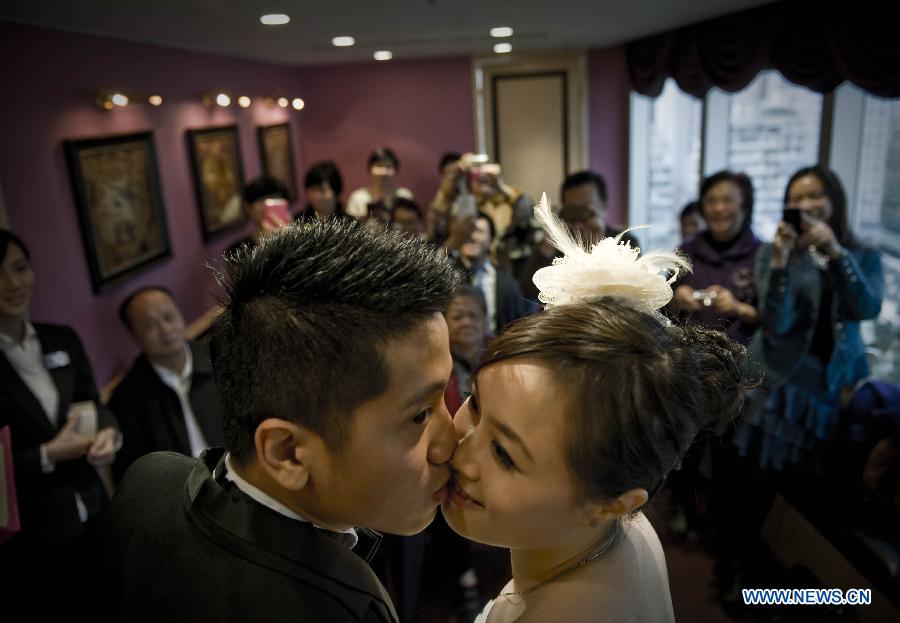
(796, 302)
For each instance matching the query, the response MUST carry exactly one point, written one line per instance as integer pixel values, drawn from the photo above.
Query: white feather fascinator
(608, 268)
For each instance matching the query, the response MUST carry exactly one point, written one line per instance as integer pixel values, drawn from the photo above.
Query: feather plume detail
(608, 268)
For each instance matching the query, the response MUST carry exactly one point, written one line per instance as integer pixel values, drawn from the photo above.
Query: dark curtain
(813, 45)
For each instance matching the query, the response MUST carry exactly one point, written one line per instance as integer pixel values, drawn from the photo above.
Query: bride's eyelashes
(473, 408)
(502, 456)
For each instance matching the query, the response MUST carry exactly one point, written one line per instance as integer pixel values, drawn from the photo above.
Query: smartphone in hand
(378, 210)
(465, 206)
(794, 218)
(276, 212)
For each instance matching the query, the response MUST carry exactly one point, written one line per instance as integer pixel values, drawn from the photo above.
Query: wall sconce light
(107, 100)
(281, 101)
(212, 99)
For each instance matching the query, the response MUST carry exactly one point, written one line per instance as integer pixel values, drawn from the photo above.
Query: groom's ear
(284, 451)
(628, 502)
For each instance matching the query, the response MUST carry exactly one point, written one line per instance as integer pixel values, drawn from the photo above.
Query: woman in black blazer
(44, 372)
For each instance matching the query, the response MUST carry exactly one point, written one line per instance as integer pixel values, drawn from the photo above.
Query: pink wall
(608, 95)
(48, 81)
(425, 108)
(420, 109)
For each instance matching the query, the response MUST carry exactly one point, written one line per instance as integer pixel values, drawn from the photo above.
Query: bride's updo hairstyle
(639, 391)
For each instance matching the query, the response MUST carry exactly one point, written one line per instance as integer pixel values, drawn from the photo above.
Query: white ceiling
(409, 28)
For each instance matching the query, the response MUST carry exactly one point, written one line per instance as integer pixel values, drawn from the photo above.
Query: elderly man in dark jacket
(167, 400)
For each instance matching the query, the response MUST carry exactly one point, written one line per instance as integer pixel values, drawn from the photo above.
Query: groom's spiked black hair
(306, 316)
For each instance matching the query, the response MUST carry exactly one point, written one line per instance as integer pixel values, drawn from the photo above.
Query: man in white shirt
(167, 400)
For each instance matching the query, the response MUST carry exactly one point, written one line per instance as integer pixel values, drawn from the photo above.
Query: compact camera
(706, 296)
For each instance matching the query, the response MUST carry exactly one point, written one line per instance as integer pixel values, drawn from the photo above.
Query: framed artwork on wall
(120, 207)
(215, 155)
(278, 155)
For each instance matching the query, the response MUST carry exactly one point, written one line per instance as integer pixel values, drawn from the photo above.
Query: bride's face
(512, 485)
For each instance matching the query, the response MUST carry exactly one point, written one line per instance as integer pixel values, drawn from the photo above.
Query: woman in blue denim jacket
(815, 284)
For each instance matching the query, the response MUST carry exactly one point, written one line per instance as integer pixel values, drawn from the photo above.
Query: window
(768, 130)
(876, 206)
(669, 150)
(875, 210)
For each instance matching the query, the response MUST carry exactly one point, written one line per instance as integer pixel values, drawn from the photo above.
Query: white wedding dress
(483, 617)
(513, 612)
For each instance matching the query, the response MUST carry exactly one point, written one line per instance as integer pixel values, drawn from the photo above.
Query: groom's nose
(462, 457)
(443, 437)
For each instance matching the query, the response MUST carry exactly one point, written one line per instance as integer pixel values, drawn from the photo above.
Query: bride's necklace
(608, 541)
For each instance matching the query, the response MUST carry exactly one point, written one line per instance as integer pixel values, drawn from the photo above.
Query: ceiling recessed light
(283, 102)
(501, 31)
(155, 100)
(275, 19)
(503, 48)
(244, 101)
(343, 41)
(223, 100)
(383, 55)
(119, 99)
(298, 103)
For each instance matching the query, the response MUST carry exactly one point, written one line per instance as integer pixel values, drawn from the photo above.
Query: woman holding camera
(721, 292)
(816, 283)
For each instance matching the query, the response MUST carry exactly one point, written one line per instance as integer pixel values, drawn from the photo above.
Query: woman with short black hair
(720, 293)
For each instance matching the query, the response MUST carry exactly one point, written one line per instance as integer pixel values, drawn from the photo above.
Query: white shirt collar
(7, 342)
(168, 375)
(269, 502)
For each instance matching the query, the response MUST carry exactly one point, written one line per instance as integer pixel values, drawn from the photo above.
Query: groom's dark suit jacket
(182, 543)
